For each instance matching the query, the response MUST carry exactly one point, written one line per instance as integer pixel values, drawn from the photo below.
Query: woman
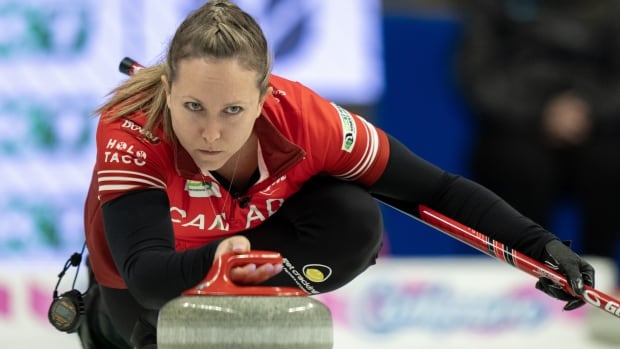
(209, 153)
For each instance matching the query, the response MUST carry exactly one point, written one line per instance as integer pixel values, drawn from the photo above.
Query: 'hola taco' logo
(317, 272)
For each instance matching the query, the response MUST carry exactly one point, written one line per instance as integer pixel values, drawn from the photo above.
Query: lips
(209, 152)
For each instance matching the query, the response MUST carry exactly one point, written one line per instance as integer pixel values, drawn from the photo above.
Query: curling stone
(218, 314)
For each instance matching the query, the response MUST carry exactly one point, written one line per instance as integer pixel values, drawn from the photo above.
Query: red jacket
(300, 135)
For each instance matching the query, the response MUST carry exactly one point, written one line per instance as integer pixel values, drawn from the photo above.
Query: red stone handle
(218, 282)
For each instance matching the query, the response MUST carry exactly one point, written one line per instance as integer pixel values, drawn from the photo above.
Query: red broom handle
(517, 259)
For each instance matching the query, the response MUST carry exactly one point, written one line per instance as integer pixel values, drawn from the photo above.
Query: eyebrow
(236, 102)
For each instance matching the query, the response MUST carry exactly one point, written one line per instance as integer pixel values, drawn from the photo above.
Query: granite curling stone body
(217, 314)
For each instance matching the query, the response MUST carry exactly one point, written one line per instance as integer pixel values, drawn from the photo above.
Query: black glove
(578, 272)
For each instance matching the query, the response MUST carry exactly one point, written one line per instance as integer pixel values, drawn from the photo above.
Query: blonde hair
(219, 29)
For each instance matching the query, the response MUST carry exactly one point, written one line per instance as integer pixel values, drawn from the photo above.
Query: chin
(208, 165)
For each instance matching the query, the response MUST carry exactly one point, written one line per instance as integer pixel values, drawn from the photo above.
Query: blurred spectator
(542, 78)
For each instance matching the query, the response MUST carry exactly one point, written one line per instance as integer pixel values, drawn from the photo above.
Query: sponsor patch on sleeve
(121, 152)
(349, 131)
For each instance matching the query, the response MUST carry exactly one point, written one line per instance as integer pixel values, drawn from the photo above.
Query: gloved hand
(578, 273)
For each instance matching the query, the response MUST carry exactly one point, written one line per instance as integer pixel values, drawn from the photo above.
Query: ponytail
(143, 91)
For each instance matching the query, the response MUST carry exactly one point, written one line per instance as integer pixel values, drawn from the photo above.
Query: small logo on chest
(202, 189)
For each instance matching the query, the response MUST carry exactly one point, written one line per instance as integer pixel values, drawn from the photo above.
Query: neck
(239, 169)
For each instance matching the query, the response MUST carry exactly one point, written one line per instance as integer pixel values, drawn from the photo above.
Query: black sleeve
(409, 181)
(139, 232)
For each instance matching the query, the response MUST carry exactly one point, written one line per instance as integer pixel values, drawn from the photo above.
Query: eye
(234, 109)
(193, 106)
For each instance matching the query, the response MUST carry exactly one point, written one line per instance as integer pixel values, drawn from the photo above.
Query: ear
(164, 81)
(267, 93)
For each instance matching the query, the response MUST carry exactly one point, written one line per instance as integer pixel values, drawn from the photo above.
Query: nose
(211, 131)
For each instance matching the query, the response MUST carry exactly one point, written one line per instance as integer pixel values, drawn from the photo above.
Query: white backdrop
(432, 303)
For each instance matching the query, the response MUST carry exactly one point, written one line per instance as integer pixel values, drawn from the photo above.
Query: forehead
(215, 77)
(211, 69)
